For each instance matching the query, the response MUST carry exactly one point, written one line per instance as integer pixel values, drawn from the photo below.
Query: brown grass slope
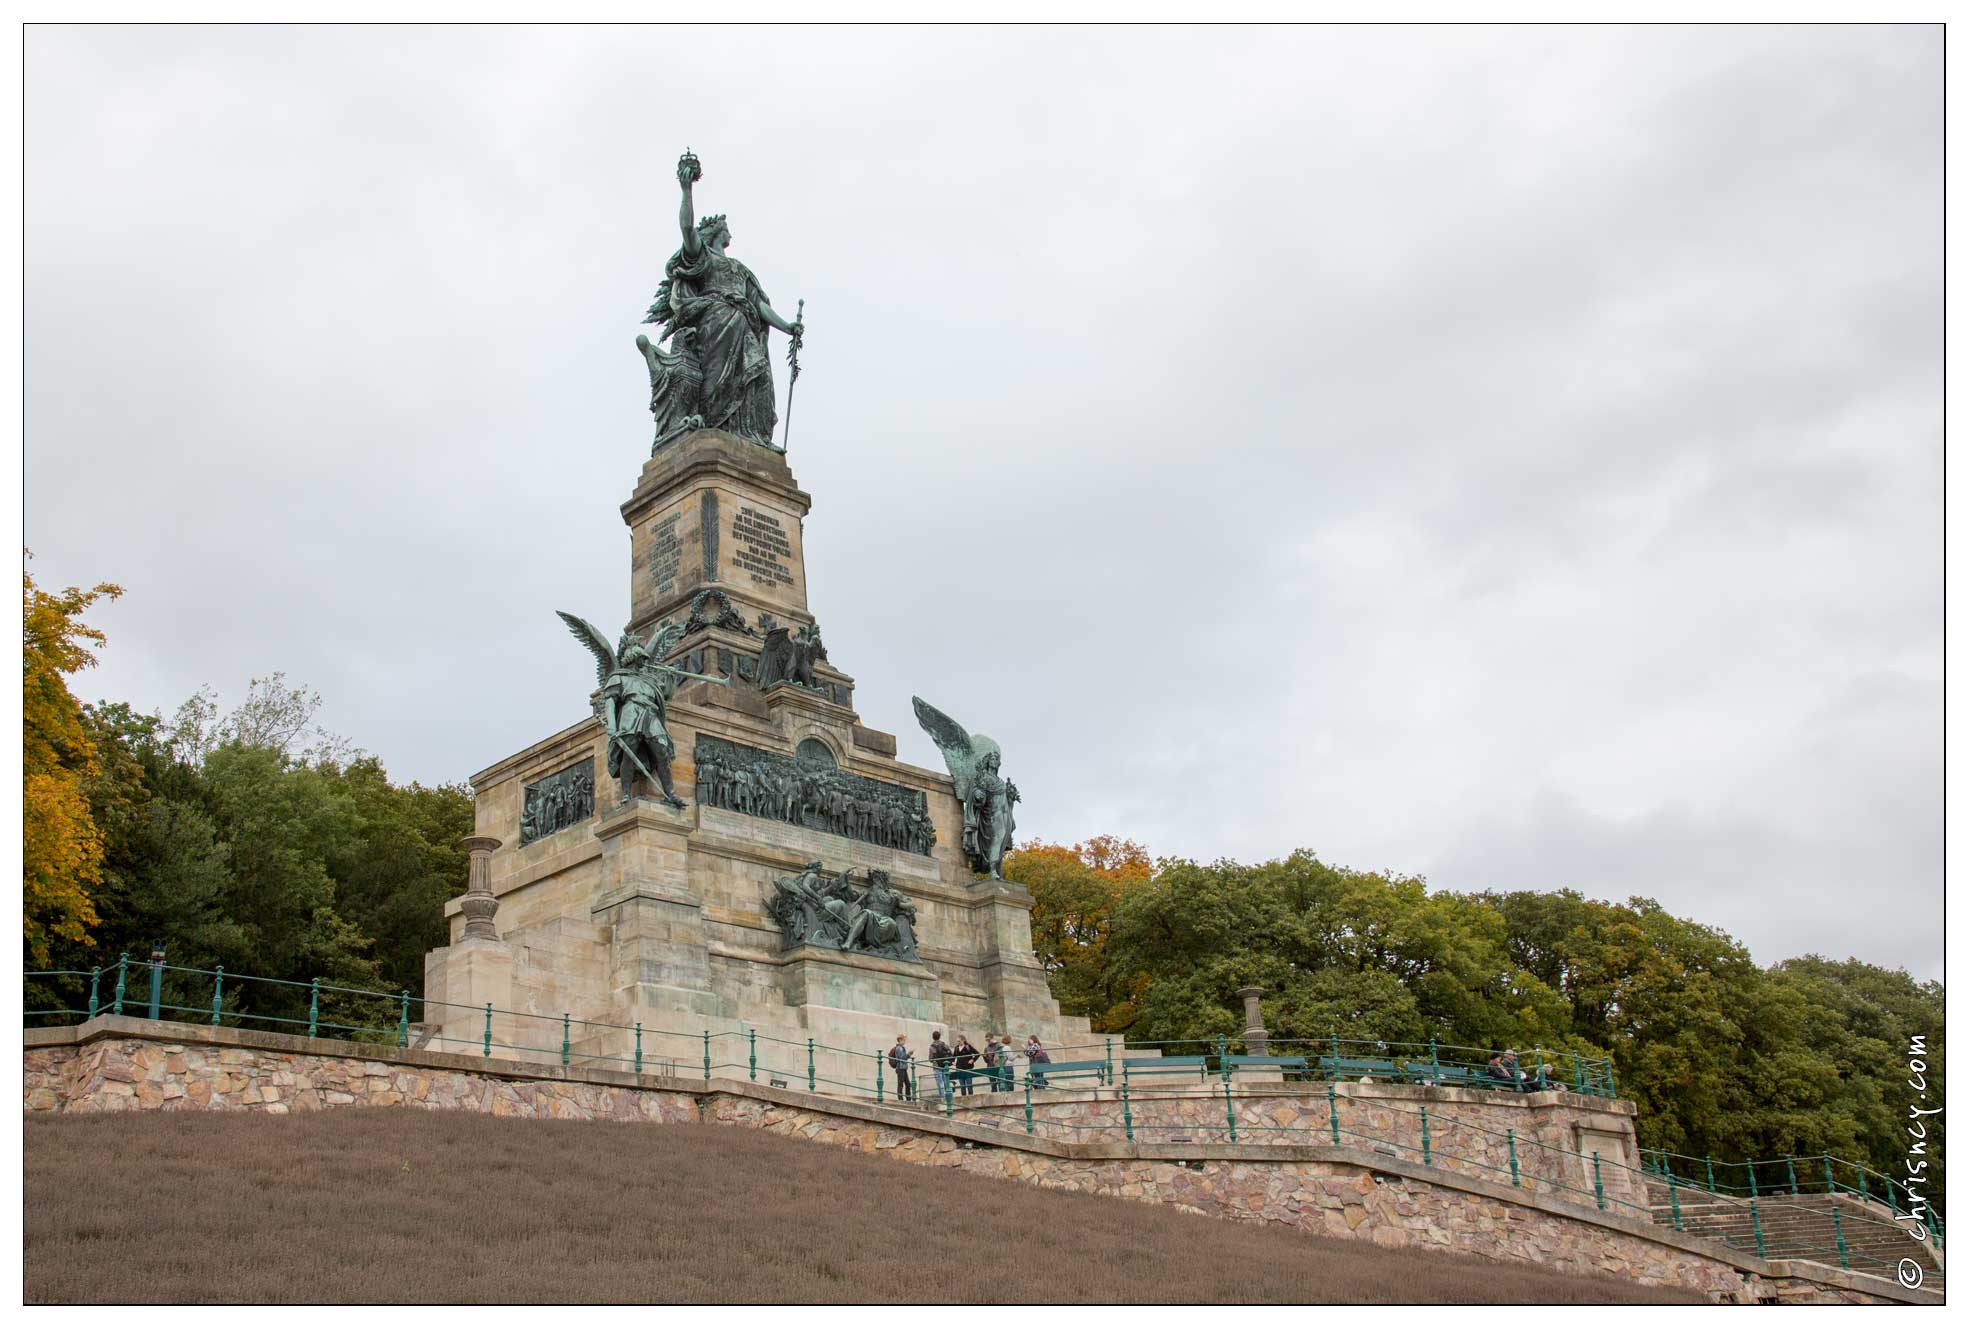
(401, 1205)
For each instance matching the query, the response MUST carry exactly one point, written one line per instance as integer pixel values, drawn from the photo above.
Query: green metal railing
(1793, 1175)
(1121, 1102)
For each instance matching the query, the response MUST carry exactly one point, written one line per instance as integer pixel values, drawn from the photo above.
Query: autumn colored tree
(62, 848)
(1074, 890)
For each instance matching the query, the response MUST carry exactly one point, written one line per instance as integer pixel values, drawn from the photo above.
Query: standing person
(940, 1058)
(1006, 1055)
(899, 1060)
(1036, 1055)
(966, 1057)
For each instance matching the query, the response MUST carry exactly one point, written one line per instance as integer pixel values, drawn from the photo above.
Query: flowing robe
(719, 298)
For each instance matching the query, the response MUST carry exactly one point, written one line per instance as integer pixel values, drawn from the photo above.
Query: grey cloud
(1504, 454)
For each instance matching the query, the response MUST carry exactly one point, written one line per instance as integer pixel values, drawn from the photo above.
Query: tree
(1360, 955)
(1075, 889)
(62, 849)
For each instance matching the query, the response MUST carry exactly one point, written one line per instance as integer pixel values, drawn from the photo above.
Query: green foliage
(1074, 892)
(266, 857)
(1723, 1057)
(1357, 954)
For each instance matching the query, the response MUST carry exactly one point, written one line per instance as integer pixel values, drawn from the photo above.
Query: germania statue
(634, 702)
(716, 374)
(985, 795)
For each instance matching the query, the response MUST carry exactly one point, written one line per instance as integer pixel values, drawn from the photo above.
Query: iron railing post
(157, 979)
(1839, 1236)
(488, 1029)
(566, 1020)
(1830, 1187)
(639, 1047)
(1435, 1067)
(752, 1053)
(1230, 1112)
(810, 1065)
(1028, 1102)
(1578, 1076)
(1127, 1114)
(1750, 1167)
(95, 975)
(218, 991)
(122, 974)
(1757, 1229)
(1674, 1204)
(1599, 1191)
(1791, 1171)
(1224, 1059)
(1333, 1113)
(1108, 1074)
(1511, 1147)
(1864, 1197)
(403, 1021)
(314, 1007)
(1425, 1138)
(878, 1076)
(1709, 1170)
(707, 1054)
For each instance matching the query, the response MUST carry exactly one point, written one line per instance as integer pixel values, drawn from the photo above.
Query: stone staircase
(1801, 1227)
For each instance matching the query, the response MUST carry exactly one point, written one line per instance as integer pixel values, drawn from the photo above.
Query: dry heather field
(401, 1205)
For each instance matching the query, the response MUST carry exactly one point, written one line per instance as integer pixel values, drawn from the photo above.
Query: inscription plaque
(763, 547)
(666, 552)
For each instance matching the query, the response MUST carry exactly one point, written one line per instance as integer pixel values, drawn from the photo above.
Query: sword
(793, 359)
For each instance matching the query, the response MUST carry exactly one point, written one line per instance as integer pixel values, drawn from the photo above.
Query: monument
(721, 845)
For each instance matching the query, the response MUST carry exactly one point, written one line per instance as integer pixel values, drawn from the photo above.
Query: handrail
(756, 1055)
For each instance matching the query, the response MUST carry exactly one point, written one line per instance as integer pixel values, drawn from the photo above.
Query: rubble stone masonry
(120, 1064)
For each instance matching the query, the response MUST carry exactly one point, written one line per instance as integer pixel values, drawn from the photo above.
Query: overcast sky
(1507, 455)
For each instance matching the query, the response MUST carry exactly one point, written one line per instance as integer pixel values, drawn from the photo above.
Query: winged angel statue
(634, 704)
(985, 795)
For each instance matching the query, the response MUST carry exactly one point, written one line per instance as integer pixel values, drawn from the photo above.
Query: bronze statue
(814, 909)
(634, 702)
(985, 796)
(789, 656)
(717, 374)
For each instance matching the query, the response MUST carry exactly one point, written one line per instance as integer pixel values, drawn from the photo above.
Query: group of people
(961, 1064)
(1503, 1068)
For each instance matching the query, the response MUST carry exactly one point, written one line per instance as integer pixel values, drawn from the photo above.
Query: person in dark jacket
(940, 1058)
(1036, 1056)
(899, 1062)
(965, 1057)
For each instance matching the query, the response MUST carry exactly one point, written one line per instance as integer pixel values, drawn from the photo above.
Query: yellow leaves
(62, 851)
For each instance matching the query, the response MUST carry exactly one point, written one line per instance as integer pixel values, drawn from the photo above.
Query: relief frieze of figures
(565, 798)
(817, 796)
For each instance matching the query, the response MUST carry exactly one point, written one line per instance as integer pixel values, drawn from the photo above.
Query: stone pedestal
(474, 973)
(847, 983)
(715, 512)
(479, 904)
(658, 956)
(1254, 1022)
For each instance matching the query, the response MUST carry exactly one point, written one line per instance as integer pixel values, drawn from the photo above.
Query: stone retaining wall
(121, 1064)
(1554, 1135)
